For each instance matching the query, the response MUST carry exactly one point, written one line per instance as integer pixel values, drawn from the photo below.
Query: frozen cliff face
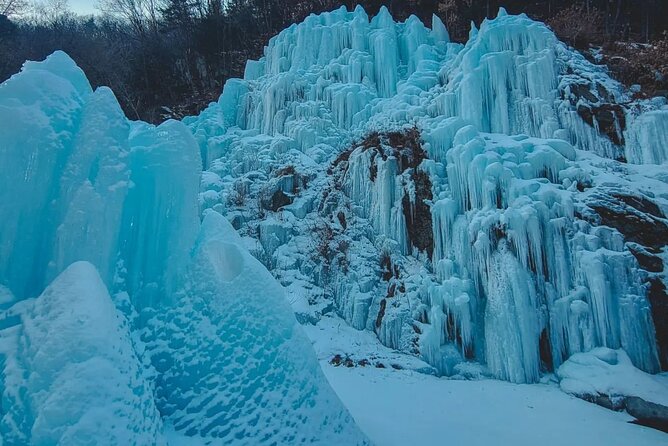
(469, 204)
(458, 200)
(126, 316)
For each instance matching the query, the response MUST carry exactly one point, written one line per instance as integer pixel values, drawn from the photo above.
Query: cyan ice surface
(123, 315)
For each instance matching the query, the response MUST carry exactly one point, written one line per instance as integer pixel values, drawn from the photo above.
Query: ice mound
(74, 377)
(232, 349)
(148, 319)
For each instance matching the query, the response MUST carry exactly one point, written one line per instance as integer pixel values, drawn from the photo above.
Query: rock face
(599, 109)
(645, 228)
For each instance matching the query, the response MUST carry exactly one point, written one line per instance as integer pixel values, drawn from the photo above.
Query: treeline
(169, 58)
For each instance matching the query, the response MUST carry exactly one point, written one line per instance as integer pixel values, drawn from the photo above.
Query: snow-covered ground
(407, 406)
(403, 407)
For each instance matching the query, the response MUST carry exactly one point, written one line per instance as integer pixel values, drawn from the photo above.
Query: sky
(83, 6)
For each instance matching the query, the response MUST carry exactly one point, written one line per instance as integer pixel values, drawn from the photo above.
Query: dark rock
(640, 203)
(583, 90)
(659, 302)
(611, 403)
(597, 107)
(636, 217)
(647, 261)
(276, 201)
(610, 118)
(658, 425)
(418, 214)
(381, 313)
(342, 219)
(647, 413)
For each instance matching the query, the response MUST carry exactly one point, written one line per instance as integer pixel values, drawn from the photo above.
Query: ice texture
(233, 362)
(126, 315)
(74, 377)
(521, 134)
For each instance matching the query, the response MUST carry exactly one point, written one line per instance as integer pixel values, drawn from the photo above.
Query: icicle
(438, 30)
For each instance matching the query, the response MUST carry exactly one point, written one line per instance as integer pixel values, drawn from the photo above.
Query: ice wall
(122, 314)
(522, 275)
(77, 177)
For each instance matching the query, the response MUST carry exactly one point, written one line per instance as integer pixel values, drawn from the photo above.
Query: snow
(404, 402)
(603, 371)
(398, 407)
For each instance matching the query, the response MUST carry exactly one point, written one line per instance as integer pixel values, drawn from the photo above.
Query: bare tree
(49, 11)
(142, 15)
(11, 8)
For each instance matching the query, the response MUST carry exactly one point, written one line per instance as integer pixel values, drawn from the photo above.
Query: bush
(642, 64)
(578, 25)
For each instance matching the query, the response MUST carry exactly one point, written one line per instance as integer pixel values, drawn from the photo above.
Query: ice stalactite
(647, 138)
(538, 267)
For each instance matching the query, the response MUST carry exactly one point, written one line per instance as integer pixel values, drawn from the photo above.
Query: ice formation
(80, 378)
(466, 203)
(124, 313)
(521, 135)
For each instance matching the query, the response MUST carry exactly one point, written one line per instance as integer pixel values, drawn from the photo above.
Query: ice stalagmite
(125, 318)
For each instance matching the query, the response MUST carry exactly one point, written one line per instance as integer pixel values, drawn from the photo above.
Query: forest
(170, 58)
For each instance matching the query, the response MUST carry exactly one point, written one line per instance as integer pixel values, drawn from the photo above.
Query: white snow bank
(604, 371)
(398, 408)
